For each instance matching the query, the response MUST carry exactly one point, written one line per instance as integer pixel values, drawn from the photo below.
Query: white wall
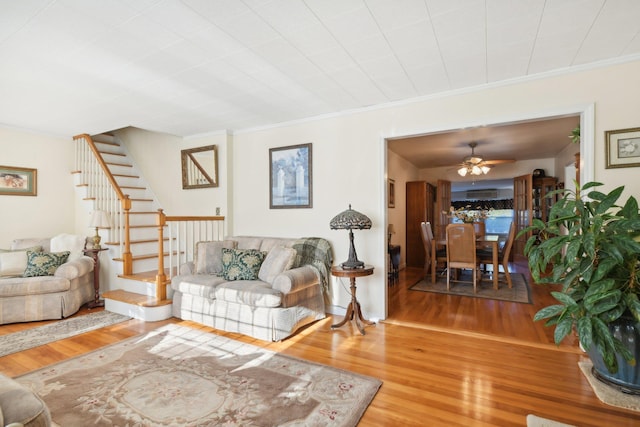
(349, 154)
(348, 164)
(566, 157)
(158, 158)
(52, 210)
(401, 171)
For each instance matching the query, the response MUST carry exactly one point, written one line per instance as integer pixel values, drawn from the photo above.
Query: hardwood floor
(444, 361)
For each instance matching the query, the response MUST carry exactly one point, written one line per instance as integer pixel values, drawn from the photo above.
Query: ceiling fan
(477, 165)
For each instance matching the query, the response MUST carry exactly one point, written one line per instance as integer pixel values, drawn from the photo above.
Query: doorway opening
(535, 143)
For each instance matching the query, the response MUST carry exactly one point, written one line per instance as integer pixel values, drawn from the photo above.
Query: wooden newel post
(161, 289)
(127, 258)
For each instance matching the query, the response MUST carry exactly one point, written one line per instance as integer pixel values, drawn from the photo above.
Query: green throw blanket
(315, 251)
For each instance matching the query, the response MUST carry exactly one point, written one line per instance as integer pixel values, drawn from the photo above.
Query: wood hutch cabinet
(540, 202)
(420, 205)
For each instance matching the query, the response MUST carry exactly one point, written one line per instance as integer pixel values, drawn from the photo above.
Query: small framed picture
(392, 193)
(16, 181)
(623, 148)
(290, 177)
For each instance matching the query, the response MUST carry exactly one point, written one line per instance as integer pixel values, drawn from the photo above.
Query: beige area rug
(536, 421)
(179, 376)
(520, 291)
(607, 394)
(41, 335)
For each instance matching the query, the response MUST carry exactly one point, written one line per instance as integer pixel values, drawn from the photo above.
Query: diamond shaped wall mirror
(200, 167)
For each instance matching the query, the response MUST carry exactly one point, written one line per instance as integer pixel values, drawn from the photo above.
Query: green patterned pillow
(44, 263)
(241, 264)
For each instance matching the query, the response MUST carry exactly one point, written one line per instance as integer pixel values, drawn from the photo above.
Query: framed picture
(290, 177)
(18, 181)
(623, 148)
(392, 193)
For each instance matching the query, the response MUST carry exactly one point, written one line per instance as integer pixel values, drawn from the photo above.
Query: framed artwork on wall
(392, 193)
(623, 148)
(290, 177)
(16, 181)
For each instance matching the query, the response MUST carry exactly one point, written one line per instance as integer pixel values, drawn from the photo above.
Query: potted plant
(591, 243)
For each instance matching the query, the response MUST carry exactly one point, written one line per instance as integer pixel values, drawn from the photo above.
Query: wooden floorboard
(443, 360)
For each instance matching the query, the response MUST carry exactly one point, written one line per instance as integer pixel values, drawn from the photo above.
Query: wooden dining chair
(461, 251)
(486, 256)
(427, 241)
(480, 228)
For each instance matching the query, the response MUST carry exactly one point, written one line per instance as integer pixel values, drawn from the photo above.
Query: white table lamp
(99, 219)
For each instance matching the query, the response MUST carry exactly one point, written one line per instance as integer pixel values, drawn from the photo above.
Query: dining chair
(486, 256)
(461, 251)
(427, 240)
(480, 228)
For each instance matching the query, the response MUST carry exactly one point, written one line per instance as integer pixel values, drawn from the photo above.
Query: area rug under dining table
(181, 376)
(519, 292)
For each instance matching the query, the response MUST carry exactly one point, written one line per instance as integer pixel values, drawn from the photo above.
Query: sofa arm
(73, 269)
(187, 268)
(21, 406)
(295, 279)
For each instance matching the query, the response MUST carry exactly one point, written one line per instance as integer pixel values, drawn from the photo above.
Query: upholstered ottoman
(19, 406)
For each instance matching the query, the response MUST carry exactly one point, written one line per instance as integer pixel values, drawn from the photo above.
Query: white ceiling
(195, 66)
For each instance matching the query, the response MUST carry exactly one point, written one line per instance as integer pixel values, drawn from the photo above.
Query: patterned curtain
(483, 204)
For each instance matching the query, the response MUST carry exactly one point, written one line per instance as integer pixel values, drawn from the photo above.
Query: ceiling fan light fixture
(474, 160)
(473, 164)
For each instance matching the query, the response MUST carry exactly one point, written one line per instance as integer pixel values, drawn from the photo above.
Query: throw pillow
(13, 263)
(241, 264)
(208, 258)
(69, 242)
(44, 263)
(278, 259)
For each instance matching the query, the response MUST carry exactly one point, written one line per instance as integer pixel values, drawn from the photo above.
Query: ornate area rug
(520, 292)
(179, 376)
(34, 337)
(607, 394)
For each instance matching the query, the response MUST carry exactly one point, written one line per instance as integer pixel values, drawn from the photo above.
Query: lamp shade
(348, 220)
(100, 219)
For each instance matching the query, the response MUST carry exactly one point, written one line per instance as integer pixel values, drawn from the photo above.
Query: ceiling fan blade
(498, 162)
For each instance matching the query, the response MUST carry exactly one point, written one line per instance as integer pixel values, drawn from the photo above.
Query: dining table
(488, 240)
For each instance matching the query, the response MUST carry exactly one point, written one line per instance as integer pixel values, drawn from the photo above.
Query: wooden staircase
(138, 293)
(146, 246)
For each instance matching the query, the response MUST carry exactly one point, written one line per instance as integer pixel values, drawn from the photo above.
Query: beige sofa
(288, 292)
(44, 297)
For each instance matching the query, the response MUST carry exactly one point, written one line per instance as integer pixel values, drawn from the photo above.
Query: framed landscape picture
(623, 148)
(290, 177)
(16, 181)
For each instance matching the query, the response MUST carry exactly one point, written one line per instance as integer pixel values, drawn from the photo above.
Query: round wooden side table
(353, 309)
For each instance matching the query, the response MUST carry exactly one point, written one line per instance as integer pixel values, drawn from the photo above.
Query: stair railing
(107, 195)
(183, 232)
